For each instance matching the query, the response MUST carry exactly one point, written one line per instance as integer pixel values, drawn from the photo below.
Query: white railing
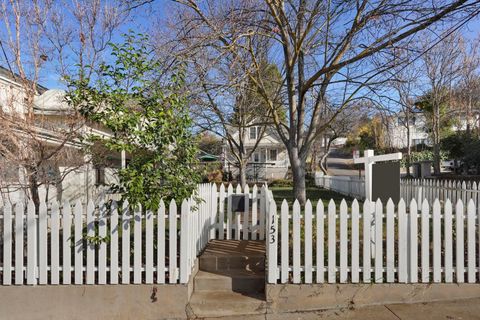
(346, 185)
(430, 243)
(105, 243)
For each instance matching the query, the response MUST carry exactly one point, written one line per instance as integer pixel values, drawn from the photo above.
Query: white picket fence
(109, 245)
(100, 244)
(105, 244)
(415, 244)
(350, 186)
(246, 225)
(418, 189)
(432, 189)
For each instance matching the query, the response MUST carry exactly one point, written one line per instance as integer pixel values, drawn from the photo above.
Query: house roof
(6, 73)
(207, 157)
(52, 102)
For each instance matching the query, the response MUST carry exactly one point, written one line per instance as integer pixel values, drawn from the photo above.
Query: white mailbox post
(369, 159)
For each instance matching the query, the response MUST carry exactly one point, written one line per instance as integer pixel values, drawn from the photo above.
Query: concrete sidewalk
(448, 310)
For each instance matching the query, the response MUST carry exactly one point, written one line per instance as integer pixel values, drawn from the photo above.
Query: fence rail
(415, 243)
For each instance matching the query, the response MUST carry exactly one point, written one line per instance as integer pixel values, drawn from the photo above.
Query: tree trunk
(436, 158)
(33, 186)
(436, 140)
(409, 145)
(298, 165)
(323, 161)
(242, 174)
(313, 160)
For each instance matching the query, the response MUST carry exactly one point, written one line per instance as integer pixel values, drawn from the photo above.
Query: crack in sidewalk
(396, 316)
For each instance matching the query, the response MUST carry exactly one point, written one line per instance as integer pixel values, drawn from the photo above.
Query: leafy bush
(472, 157)
(426, 155)
(149, 119)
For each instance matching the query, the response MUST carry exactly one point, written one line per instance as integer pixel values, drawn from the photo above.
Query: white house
(397, 136)
(80, 178)
(268, 162)
(397, 130)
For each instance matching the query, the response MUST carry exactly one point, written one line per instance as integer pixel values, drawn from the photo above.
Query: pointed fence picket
(107, 243)
(57, 243)
(412, 244)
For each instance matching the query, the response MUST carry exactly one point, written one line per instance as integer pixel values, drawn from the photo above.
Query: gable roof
(6, 73)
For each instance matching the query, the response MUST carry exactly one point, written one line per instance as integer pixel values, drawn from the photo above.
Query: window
(99, 175)
(419, 141)
(272, 155)
(256, 157)
(253, 133)
(402, 121)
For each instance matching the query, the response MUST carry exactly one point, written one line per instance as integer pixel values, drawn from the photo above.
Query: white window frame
(270, 158)
(255, 133)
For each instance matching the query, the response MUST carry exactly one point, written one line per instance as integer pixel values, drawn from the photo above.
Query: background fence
(418, 189)
(432, 189)
(430, 243)
(350, 186)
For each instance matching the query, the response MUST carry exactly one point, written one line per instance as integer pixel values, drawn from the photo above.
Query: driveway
(340, 164)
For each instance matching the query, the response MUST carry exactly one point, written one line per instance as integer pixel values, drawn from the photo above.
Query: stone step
(223, 304)
(215, 263)
(231, 280)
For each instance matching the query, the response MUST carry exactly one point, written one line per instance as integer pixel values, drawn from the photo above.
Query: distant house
(73, 177)
(397, 135)
(268, 162)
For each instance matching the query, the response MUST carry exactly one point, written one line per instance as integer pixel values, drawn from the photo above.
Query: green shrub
(281, 183)
(426, 155)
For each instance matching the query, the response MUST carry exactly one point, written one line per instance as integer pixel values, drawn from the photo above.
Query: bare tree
(404, 78)
(443, 67)
(42, 38)
(232, 111)
(467, 92)
(317, 45)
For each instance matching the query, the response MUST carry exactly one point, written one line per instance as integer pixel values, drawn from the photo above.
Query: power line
(473, 15)
(6, 59)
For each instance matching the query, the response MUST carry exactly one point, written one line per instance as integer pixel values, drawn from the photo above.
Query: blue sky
(143, 21)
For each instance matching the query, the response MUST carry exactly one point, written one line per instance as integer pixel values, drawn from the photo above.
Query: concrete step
(223, 304)
(223, 263)
(231, 280)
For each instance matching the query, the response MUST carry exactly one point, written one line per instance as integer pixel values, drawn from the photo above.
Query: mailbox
(238, 202)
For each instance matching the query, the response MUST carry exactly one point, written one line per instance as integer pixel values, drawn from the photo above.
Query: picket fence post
(272, 240)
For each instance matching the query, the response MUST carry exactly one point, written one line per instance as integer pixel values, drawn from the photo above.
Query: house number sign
(273, 229)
